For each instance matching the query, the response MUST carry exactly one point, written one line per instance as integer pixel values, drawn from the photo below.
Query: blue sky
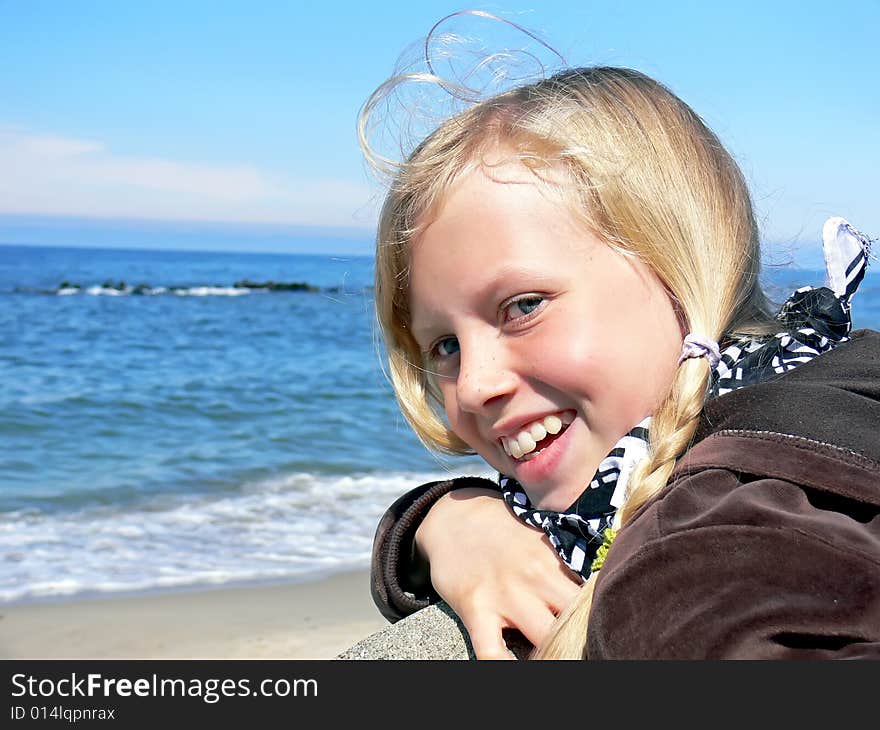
(243, 113)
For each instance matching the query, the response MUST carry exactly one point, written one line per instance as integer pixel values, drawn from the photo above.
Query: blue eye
(446, 347)
(523, 307)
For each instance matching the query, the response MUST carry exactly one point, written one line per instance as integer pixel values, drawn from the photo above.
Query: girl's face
(548, 344)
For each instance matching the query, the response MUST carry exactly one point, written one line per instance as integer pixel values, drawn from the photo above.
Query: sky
(240, 117)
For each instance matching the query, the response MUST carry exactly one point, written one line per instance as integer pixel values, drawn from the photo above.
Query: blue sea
(194, 433)
(169, 421)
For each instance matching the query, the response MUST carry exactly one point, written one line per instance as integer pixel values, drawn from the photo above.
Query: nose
(485, 376)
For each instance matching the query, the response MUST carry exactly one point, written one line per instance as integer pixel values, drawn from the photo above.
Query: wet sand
(312, 620)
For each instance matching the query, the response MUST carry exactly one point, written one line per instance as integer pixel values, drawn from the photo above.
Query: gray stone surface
(434, 632)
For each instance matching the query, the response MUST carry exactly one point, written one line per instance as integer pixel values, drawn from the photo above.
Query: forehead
(496, 228)
(498, 195)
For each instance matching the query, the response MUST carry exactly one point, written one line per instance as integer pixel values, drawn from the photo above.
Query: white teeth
(526, 441)
(538, 431)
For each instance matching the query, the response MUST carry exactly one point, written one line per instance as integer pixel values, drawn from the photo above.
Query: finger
(534, 619)
(562, 594)
(486, 638)
(555, 582)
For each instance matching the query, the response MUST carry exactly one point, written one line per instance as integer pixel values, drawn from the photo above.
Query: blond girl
(567, 282)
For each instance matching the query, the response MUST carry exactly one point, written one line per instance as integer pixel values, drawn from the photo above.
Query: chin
(556, 500)
(554, 478)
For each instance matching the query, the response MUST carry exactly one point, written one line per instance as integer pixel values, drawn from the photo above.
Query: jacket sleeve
(400, 579)
(764, 550)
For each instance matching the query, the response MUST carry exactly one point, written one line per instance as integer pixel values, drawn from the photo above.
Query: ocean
(172, 420)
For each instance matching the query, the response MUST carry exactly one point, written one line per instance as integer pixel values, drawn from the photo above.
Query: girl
(567, 285)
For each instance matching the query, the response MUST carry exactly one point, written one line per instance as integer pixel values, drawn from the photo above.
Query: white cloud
(56, 175)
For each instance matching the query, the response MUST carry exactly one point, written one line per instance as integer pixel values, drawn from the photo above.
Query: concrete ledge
(434, 632)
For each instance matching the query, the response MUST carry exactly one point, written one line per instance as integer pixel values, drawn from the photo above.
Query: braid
(672, 428)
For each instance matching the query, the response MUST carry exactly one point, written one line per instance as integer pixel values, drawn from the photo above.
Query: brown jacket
(764, 544)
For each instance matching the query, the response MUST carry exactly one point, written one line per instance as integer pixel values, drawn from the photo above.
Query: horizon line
(29, 218)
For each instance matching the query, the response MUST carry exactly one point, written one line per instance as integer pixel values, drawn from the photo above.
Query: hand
(493, 570)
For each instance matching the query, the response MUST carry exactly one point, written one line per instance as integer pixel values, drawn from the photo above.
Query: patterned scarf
(813, 321)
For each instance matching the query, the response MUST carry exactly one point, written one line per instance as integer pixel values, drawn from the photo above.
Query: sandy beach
(312, 620)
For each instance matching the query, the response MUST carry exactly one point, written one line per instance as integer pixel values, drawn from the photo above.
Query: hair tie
(697, 346)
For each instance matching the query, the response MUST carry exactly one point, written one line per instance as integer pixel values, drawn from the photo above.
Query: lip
(511, 427)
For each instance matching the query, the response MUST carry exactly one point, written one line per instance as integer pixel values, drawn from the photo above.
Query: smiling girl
(567, 284)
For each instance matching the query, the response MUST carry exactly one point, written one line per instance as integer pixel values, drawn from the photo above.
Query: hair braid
(672, 428)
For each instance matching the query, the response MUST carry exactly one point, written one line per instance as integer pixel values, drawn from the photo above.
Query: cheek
(565, 358)
(457, 421)
(447, 393)
(605, 363)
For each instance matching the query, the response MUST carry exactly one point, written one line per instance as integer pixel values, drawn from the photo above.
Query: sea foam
(284, 528)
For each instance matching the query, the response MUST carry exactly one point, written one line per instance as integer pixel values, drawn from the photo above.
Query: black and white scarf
(815, 320)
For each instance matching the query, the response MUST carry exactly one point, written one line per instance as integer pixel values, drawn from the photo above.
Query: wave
(286, 528)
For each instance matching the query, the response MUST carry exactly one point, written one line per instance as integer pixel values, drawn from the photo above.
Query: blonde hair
(646, 175)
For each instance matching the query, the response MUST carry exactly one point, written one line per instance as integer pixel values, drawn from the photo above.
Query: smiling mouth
(536, 436)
